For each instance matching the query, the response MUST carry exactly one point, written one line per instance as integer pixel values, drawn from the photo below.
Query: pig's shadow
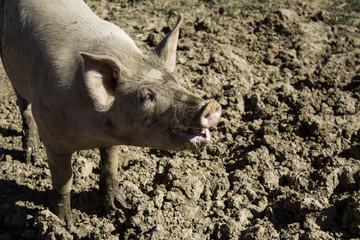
(9, 132)
(11, 192)
(12, 210)
(88, 202)
(16, 154)
(13, 195)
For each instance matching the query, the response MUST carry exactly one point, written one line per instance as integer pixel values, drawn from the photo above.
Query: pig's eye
(149, 97)
(146, 96)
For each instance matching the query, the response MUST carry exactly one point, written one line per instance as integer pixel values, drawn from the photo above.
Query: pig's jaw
(198, 137)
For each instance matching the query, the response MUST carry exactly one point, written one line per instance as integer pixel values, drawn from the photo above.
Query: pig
(82, 83)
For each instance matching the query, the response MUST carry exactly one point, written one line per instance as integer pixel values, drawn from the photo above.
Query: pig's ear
(101, 74)
(166, 49)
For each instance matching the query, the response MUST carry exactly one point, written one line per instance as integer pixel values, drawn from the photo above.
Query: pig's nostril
(210, 115)
(218, 110)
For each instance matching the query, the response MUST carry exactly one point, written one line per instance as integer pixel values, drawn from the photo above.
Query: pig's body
(88, 85)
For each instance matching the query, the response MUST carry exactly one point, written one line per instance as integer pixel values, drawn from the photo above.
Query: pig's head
(141, 102)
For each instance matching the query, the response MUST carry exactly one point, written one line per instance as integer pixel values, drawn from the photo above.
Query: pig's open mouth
(198, 136)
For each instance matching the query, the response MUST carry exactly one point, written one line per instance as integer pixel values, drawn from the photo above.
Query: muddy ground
(284, 162)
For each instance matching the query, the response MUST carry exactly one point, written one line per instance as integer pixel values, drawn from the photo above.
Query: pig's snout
(210, 115)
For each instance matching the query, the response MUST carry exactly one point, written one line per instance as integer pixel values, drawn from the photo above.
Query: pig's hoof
(31, 143)
(119, 202)
(112, 202)
(31, 155)
(61, 207)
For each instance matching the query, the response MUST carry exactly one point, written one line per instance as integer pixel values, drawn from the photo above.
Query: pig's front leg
(108, 177)
(61, 172)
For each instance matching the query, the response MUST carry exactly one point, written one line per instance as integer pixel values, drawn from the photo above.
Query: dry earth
(285, 158)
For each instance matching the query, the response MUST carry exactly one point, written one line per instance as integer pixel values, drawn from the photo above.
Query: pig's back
(44, 37)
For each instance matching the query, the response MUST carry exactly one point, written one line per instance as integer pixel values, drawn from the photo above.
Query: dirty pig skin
(82, 83)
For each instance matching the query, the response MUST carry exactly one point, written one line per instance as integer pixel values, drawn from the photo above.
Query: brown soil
(284, 162)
